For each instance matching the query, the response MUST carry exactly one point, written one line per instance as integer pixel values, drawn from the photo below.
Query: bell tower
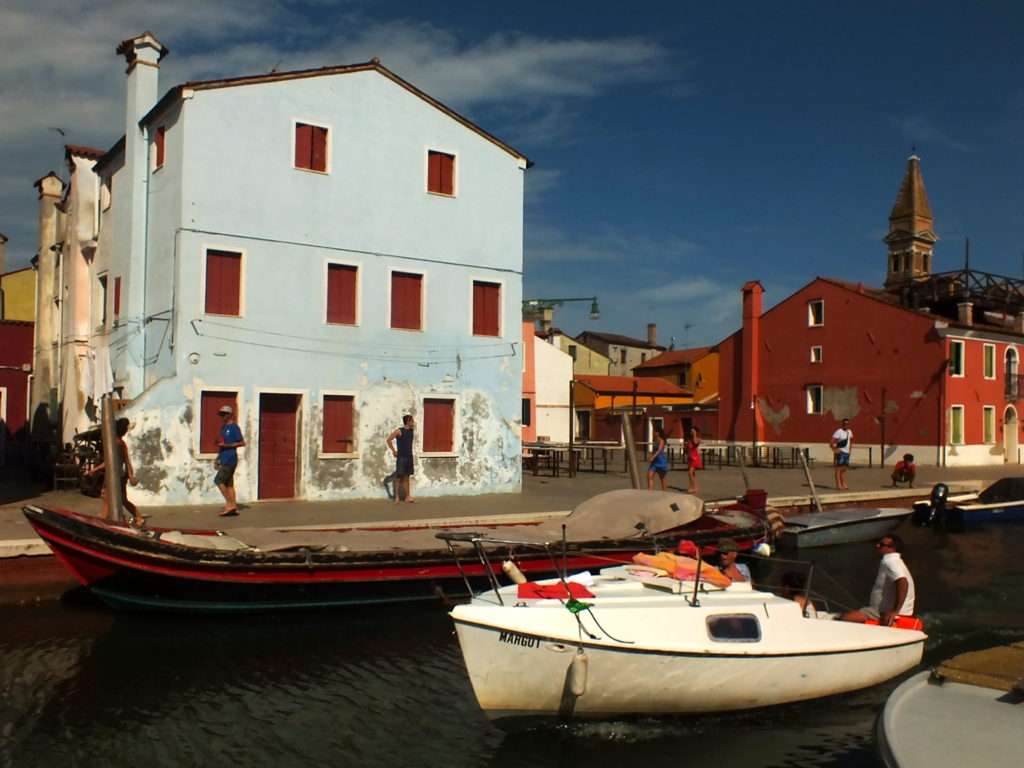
(911, 238)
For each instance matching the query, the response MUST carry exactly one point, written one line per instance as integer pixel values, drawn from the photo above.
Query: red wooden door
(278, 443)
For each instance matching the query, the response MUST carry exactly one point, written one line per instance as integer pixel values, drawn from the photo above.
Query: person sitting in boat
(728, 551)
(794, 587)
(893, 593)
(905, 470)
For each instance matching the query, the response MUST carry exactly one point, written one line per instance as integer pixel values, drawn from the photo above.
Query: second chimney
(965, 313)
(652, 334)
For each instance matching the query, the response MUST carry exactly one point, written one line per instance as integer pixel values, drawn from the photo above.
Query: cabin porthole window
(734, 628)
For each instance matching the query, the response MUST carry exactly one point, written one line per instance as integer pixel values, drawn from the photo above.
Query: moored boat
(1002, 501)
(638, 641)
(967, 711)
(270, 569)
(840, 526)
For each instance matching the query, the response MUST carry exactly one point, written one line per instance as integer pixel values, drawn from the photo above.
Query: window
(342, 281)
(486, 309)
(311, 147)
(956, 358)
(738, 628)
(440, 173)
(622, 356)
(815, 354)
(106, 193)
(816, 312)
(158, 148)
(956, 425)
(339, 424)
(926, 264)
(209, 421)
(990, 361)
(814, 398)
(117, 299)
(895, 264)
(527, 412)
(101, 300)
(406, 301)
(643, 357)
(223, 282)
(438, 425)
(988, 424)
(572, 351)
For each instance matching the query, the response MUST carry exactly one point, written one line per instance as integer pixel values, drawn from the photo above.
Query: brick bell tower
(911, 238)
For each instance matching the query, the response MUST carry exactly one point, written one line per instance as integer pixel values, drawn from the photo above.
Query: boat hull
(925, 724)
(517, 674)
(842, 533)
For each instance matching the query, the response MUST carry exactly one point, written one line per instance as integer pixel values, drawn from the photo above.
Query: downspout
(144, 317)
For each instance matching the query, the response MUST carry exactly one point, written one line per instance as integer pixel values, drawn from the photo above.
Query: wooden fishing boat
(247, 569)
(967, 711)
(840, 526)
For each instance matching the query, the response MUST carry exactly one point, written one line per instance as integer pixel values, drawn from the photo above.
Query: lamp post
(544, 309)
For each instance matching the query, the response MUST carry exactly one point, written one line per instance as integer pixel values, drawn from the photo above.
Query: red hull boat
(263, 569)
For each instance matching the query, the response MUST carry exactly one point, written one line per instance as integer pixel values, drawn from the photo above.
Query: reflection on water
(80, 685)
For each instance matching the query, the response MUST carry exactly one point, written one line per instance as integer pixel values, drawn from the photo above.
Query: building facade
(624, 353)
(349, 251)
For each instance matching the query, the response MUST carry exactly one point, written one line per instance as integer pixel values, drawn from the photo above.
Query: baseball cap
(225, 409)
(728, 545)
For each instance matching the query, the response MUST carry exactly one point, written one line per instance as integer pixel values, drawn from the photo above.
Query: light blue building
(325, 250)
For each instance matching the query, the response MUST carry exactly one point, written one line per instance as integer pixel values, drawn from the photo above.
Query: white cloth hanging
(102, 376)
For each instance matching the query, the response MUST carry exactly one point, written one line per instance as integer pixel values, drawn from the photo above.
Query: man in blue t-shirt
(227, 458)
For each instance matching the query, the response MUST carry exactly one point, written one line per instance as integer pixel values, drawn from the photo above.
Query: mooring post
(111, 460)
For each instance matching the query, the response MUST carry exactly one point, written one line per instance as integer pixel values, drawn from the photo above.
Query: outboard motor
(933, 511)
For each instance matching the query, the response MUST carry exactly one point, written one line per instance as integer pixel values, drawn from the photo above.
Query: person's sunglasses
(883, 544)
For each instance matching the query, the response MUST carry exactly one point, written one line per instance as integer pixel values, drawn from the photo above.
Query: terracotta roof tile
(675, 357)
(623, 385)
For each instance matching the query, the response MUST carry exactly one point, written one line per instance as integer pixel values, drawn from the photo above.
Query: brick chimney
(965, 312)
(652, 334)
(42, 399)
(751, 360)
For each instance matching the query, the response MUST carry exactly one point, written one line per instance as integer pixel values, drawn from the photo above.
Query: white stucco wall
(553, 374)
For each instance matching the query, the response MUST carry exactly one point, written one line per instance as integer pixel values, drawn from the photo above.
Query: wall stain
(772, 417)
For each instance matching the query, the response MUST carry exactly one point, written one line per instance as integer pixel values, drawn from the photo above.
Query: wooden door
(279, 415)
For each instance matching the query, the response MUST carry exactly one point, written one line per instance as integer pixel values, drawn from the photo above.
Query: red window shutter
(448, 174)
(303, 145)
(434, 171)
(160, 146)
(486, 308)
(223, 282)
(117, 297)
(406, 300)
(438, 425)
(341, 294)
(338, 424)
(318, 154)
(209, 421)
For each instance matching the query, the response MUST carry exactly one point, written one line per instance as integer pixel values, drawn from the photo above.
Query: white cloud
(609, 245)
(921, 129)
(59, 69)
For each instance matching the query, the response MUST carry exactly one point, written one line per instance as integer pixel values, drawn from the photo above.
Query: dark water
(82, 686)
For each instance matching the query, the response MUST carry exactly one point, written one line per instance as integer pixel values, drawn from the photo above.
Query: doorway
(278, 445)
(1010, 435)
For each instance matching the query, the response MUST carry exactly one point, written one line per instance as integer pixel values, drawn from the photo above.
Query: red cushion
(532, 589)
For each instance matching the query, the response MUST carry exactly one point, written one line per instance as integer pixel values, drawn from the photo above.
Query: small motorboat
(967, 711)
(639, 640)
(1000, 502)
(840, 526)
(257, 569)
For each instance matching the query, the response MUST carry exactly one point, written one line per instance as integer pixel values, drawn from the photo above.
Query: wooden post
(572, 424)
(810, 482)
(627, 433)
(111, 460)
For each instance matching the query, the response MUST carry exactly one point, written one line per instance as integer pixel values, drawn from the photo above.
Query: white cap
(225, 409)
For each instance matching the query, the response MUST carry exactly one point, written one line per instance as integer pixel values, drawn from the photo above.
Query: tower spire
(911, 238)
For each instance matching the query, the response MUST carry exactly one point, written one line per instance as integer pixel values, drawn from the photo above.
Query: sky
(680, 149)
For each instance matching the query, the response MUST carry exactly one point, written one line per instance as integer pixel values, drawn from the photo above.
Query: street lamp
(544, 309)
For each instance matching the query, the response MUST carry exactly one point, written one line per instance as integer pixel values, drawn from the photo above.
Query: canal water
(83, 686)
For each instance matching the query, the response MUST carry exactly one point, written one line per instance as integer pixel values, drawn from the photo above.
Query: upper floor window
(342, 293)
(440, 172)
(956, 358)
(158, 148)
(101, 299)
(816, 312)
(106, 193)
(622, 356)
(990, 361)
(223, 282)
(815, 399)
(815, 354)
(572, 351)
(407, 301)
(486, 309)
(311, 147)
(117, 299)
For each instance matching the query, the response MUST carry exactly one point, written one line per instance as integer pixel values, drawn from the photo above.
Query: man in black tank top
(403, 458)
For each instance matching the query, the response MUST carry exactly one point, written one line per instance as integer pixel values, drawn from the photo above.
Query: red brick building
(16, 341)
(929, 365)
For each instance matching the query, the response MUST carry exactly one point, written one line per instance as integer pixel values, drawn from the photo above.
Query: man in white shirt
(842, 441)
(893, 592)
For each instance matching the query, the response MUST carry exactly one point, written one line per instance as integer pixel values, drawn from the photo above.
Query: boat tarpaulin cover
(1002, 491)
(1001, 668)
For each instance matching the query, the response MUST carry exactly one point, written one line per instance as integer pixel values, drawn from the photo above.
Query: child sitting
(904, 471)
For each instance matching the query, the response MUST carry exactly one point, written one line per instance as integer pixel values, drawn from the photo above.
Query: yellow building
(18, 295)
(695, 370)
(585, 361)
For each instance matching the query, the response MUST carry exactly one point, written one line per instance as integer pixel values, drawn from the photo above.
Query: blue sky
(680, 148)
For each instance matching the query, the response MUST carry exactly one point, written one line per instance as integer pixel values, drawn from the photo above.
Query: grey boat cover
(1002, 491)
(1001, 668)
(614, 515)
